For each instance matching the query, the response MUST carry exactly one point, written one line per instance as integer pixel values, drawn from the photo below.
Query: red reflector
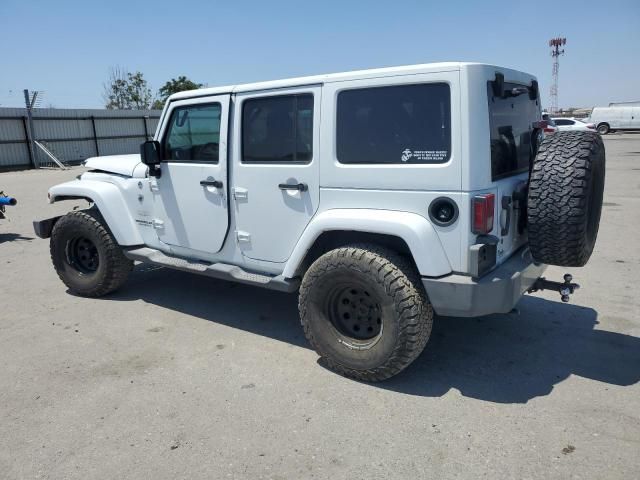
(482, 207)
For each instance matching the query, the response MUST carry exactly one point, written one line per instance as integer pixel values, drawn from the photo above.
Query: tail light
(482, 207)
(549, 129)
(591, 126)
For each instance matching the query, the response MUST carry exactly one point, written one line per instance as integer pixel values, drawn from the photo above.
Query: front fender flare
(110, 202)
(415, 230)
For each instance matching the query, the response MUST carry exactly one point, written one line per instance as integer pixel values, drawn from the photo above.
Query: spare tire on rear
(565, 198)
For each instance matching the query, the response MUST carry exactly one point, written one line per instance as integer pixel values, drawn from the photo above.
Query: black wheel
(603, 128)
(85, 255)
(365, 312)
(565, 198)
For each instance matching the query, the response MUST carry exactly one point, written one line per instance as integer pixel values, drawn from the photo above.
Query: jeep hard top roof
(332, 77)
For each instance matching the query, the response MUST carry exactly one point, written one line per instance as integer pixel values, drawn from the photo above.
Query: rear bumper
(496, 292)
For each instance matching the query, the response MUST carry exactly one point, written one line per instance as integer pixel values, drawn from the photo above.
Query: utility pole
(29, 103)
(556, 51)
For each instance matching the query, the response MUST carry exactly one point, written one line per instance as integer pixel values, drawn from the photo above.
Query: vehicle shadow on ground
(256, 310)
(498, 358)
(9, 237)
(517, 357)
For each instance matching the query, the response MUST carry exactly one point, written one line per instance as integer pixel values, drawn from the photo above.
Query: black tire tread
(118, 267)
(559, 187)
(401, 282)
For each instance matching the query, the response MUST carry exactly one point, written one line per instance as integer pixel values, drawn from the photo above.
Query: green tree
(139, 93)
(174, 85)
(126, 91)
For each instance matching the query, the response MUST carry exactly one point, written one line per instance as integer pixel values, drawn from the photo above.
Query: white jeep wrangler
(381, 195)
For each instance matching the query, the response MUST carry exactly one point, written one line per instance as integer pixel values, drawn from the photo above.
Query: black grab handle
(506, 205)
(211, 183)
(301, 187)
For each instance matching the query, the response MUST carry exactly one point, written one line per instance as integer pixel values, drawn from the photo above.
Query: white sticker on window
(424, 155)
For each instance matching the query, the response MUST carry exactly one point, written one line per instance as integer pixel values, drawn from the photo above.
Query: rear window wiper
(514, 92)
(500, 92)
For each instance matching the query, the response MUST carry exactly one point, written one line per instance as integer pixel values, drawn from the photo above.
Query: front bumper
(496, 292)
(43, 228)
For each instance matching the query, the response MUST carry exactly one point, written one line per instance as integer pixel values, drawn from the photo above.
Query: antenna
(556, 51)
(31, 101)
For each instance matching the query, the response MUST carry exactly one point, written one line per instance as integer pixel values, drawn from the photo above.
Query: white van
(608, 119)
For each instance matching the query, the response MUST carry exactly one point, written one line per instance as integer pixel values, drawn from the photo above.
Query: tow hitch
(565, 288)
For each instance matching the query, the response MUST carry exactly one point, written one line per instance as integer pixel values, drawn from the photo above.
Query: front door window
(194, 134)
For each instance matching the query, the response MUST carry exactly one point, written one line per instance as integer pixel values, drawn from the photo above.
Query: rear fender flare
(416, 231)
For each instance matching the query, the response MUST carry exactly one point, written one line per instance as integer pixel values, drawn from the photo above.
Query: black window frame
(398, 85)
(167, 131)
(296, 96)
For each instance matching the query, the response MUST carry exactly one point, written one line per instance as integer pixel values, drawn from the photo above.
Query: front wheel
(603, 128)
(365, 312)
(86, 256)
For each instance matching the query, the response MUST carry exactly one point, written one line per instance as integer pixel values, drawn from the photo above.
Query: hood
(121, 164)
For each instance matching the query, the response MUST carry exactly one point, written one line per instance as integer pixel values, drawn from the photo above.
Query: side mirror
(150, 155)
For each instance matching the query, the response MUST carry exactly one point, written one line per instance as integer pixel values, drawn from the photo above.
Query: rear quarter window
(394, 124)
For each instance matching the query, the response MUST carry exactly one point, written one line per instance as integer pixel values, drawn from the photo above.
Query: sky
(66, 47)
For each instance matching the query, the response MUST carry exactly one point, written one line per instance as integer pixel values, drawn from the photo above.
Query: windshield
(512, 126)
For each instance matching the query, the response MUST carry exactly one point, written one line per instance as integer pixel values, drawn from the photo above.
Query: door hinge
(243, 237)
(158, 224)
(240, 193)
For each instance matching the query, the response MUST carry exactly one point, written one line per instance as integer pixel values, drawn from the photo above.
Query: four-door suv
(380, 195)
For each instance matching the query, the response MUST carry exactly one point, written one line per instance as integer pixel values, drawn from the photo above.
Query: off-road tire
(565, 198)
(113, 267)
(603, 128)
(405, 314)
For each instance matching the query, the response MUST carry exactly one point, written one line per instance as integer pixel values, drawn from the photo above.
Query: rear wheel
(365, 312)
(85, 255)
(603, 128)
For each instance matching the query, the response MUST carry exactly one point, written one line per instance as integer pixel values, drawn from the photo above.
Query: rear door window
(511, 119)
(278, 129)
(396, 124)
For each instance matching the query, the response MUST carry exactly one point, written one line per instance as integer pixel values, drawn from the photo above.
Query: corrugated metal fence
(72, 135)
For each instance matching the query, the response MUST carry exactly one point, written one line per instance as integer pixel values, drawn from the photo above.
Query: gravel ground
(181, 376)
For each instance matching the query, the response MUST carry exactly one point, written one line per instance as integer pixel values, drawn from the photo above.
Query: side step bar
(221, 271)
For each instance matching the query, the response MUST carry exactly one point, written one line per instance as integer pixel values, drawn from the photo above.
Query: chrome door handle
(211, 183)
(301, 187)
